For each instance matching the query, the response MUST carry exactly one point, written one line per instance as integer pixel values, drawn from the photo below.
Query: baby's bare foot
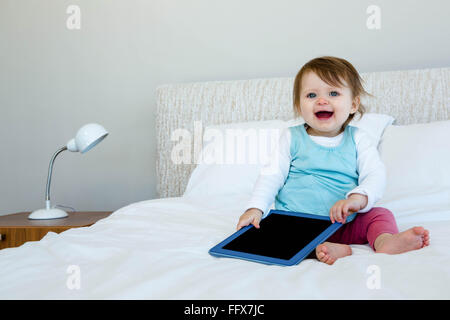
(329, 252)
(411, 239)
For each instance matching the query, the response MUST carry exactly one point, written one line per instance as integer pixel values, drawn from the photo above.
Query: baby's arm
(371, 181)
(272, 176)
(372, 172)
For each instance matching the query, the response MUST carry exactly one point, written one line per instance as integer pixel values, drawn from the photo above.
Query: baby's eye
(309, 95)
(334, 95)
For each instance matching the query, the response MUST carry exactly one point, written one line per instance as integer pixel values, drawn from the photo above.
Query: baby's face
(323, 107)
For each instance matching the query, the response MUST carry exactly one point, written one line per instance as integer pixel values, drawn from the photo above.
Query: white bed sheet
(158, 249)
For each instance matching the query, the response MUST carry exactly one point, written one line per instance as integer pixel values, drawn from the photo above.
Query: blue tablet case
(252, 244)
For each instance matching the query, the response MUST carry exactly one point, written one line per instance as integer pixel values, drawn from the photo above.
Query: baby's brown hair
(331, 70)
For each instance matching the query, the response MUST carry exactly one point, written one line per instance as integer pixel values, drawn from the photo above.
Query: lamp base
(43, 214)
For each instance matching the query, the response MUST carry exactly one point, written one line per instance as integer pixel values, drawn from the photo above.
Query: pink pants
(366, 227)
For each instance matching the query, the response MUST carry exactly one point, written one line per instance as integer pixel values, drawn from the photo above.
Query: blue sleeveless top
(319, 176)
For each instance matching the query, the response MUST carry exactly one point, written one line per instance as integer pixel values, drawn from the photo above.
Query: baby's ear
(355, 104)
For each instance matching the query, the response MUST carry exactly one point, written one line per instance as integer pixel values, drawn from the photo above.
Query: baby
(327, 167)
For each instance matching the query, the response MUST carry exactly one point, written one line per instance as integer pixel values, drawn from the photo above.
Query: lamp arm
(49, 176)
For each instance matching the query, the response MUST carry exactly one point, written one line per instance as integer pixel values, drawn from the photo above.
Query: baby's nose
(322, 101)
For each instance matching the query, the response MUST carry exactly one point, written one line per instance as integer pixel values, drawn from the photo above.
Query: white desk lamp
(88, 136)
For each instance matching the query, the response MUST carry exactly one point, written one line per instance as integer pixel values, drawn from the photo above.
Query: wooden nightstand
(16, 229)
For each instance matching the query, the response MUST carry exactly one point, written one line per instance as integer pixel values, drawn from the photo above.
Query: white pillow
(225, 170)
(373, 123)
(417, 161)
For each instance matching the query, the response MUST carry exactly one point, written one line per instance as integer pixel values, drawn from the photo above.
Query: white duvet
(158, 249)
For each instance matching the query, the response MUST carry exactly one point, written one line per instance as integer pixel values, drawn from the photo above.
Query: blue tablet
(284, 238)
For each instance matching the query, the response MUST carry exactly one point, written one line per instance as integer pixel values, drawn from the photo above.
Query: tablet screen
(280, 236)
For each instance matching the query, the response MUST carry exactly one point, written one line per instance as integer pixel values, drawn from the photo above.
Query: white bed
(158, 249)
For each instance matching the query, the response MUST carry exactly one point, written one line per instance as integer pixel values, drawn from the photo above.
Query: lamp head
(87, 137)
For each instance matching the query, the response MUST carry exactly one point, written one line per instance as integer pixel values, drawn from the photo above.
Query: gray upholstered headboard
(411, 96)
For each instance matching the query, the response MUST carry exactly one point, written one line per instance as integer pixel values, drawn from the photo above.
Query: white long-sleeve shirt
(371, 170)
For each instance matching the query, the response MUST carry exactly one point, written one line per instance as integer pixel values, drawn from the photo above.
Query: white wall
(53, 80)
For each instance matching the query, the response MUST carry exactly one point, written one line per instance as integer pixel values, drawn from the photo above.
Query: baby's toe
(426, 238)
(323, 257)
(420, 231)
(330, 260)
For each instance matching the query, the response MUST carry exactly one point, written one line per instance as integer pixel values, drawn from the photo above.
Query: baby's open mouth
(324, 114)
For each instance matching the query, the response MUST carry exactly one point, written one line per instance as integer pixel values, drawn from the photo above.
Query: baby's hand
(251, 216)
(343, 208)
